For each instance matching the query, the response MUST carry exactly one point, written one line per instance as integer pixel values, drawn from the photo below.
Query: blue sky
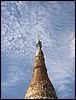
(21, 22)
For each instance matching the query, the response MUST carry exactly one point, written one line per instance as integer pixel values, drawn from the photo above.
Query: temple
(40, 87)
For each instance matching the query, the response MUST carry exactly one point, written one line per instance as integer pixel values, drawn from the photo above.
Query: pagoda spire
(40, 86)
(39, 46)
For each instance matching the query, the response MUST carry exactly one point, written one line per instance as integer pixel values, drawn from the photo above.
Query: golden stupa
(40, 86)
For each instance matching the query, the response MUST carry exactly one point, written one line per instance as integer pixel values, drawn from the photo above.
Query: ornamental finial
(39, 44)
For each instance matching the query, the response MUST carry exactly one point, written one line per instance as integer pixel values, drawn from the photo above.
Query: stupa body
(40, 86)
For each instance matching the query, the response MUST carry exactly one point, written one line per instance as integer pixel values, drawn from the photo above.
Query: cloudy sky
(21, 22)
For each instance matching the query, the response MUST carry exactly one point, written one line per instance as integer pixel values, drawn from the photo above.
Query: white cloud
(72, 48)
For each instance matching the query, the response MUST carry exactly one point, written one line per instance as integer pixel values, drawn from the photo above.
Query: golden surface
(40, 86)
